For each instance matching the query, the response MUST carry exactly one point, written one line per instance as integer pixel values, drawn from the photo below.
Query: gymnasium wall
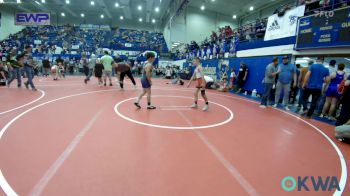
(196, 25)
(7, 23)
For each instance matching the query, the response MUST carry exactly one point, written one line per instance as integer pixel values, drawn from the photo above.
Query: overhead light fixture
(139, 7)
(42, 1)
(102, 16)
(140, 19)
(116, 4)
(157, 9)
(121, 17)
(67, 2)
(153, 20)
(212, 0)
(251, 8)
(82, 15)
(18, 1)
(1, 1)
(37, 2)
(63, 14)
(234, 16)
(92, 3)
(202, 7)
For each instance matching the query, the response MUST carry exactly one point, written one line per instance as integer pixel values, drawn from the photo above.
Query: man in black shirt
(242, 76)
(46, 66)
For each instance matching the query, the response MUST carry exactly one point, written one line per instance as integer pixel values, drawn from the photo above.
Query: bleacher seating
(76, 40)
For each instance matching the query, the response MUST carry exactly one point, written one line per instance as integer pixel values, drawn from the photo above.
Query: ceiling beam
(21, 8)
(126, 9)
(104, 8)
(41, 7)
(149, 10)
(65, 8)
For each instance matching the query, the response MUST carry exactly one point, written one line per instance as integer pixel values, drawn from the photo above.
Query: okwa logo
(274, 26)
(330, 183)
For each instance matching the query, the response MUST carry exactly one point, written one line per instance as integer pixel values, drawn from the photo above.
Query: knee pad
(203, 92)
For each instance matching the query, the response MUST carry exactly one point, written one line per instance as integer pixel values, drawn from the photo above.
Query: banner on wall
(285, 26)
(32, 18)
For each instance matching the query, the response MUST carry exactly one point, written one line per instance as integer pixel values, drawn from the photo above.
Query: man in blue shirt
(312, 85)
(287, 74)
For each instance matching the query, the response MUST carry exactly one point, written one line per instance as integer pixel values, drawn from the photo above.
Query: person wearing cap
(287, 74)
(312, 85)
(29, 67)
(271, 72)
(242, 76)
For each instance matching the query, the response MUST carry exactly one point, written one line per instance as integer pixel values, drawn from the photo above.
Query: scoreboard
(324, 29)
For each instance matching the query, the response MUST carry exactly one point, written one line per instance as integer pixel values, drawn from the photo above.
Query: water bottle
(254, 92)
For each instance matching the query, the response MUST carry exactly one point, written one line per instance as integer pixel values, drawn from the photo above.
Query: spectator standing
(269, 80)
(242, 76)
(3, 72)
(301, 79)
(91, 65)
(312, 85)
(294, 89)
(232, 79)
(14, 68)
(107, 62)
(29, 67)
(286, 76)
(332, 95)
(46, 66)
(322, 100)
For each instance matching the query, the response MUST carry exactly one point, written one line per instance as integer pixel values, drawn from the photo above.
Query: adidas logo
(274, 26)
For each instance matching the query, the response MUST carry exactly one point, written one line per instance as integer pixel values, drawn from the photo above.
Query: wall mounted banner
(32, 18)
(285, 26)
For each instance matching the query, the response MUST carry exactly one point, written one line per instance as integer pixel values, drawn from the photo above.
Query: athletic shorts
(199, 83)
(145, 83)
(332, 91)
(107, 73)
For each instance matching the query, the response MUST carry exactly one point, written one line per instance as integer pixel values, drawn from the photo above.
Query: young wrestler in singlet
(199, 77)
(146, 81)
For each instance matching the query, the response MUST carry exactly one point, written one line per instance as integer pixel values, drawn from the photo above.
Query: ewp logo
(331, 183)
(32, 19)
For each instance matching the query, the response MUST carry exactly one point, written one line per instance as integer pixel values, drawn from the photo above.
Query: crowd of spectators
(69, 39)
(222, 41)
